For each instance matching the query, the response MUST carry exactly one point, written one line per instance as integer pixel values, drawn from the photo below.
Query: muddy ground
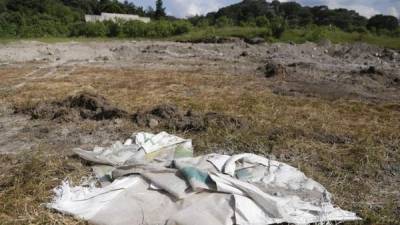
(331, 110)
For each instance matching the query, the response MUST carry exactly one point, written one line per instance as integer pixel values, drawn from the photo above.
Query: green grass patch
(208, 33)
(338, 36)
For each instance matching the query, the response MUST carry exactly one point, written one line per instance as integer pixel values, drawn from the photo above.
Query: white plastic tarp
(154, 179)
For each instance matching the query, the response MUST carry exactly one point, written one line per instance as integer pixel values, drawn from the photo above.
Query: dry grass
(26, 183)
(350, 147)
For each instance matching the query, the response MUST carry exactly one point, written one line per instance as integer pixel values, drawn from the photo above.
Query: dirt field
(332, 111)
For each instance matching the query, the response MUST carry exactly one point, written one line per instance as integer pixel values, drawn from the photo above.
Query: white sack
(155, 180)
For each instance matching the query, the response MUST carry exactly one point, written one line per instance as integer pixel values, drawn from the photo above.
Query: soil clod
(173, 118)
(81, 106)
(371, 70)
(274, 69)
(255, 40)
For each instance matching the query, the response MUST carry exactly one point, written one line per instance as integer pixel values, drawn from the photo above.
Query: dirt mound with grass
(87, 106)
(77, 107)
(273, 69)
(173, 118)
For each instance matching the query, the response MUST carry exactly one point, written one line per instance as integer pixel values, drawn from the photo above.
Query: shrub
(316, 33)
(383, 22)
(223, 21)
(278, 26)
(96, 29)
(134, 29)
(361, 30)
(203, 23)
(114, 29)
(397, 32)
(160, 28)
(262, 21)
(181, 27)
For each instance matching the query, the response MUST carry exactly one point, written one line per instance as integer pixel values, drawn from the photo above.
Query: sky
(185, 8)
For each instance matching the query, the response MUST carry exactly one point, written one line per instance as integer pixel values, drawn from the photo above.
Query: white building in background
(114, 17)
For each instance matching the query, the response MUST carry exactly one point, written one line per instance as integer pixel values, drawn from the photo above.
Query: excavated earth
(329, 71)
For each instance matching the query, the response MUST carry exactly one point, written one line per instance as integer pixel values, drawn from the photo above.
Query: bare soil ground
(332, 111)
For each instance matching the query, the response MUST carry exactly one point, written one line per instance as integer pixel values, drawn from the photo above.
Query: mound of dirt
(213, 40)
(172, 118)
(81, 106)
(371, 70)
(254, 41)
(274, 69)
(86, 106)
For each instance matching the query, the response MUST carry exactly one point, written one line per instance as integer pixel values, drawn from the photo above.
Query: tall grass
(205, 33)
(338, 36)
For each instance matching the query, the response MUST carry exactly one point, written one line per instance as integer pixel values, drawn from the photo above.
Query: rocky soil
(352, 71)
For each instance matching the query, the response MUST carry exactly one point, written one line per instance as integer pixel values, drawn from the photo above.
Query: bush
(316, 33)
(7, 29)
(134, 29)
(262, 21)
(96, 29)
(382, 22)
(114, 29)
(203, 23)
(397, 33)
(223, 21)
(361, 30)
(181, 27)
(155, 29)
(278, 26)
(160, 28)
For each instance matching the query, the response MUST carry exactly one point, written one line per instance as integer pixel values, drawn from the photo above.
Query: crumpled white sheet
(154, 179)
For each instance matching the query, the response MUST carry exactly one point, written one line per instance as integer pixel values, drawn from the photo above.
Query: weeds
(27, 183)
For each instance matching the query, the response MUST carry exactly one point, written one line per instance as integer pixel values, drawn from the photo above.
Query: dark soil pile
(212, 40)
(172, 118)
(86, 106)
(273, 69)
(81, 106)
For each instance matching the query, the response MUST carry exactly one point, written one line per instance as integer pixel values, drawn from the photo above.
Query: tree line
(63, 18)
(294, 15)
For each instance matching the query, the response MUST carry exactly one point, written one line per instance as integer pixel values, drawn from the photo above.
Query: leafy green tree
(262, 21)
(380, 22)
(305, 17)
(276, 6)
(278, 26)
(134, 29)
(114, 29)
(160, 10)
(181, 27)
(223, 22)
(96, 29)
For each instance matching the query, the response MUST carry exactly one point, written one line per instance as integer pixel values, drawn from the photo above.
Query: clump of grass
(26, 185)
(208, 33)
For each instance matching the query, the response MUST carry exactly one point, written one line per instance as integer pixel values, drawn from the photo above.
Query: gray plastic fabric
(153, 179)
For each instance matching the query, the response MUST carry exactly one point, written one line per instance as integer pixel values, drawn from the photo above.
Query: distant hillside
(293, 13)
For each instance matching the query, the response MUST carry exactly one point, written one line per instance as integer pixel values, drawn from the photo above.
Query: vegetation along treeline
(65, 18)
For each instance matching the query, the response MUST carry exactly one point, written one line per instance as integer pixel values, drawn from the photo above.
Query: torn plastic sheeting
(166, 185)
(147, 147)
